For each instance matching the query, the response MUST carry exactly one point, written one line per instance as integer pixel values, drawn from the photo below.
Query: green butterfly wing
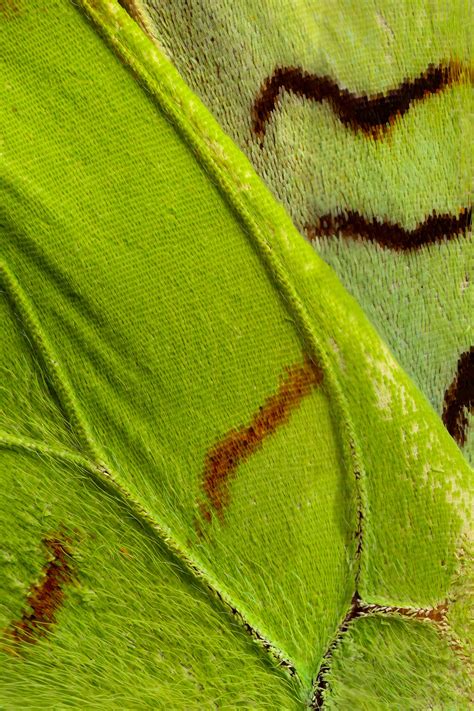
(388, 209)
(208, 454)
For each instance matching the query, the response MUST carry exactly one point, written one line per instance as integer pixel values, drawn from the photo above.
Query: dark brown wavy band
(370, 114)
(389, 235)
(459, 398)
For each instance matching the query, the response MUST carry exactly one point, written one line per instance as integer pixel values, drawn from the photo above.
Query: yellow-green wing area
(386, 662)
(134, 628)
(212, 466)
(356, 114)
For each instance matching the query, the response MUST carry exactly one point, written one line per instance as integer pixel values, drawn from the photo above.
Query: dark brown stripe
(389, 235)
(45, 597)
(459, 398)
(239, 444)
(370, 114)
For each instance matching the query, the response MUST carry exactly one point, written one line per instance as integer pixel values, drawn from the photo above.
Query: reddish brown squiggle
(459, 398)
(371, 114)
(45, 597)
(239, 444)
(389, 235)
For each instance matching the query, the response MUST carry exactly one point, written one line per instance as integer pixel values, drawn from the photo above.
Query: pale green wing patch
(387, 662)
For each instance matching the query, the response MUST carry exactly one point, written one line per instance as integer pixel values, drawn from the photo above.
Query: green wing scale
(224, 483)
(356, 115)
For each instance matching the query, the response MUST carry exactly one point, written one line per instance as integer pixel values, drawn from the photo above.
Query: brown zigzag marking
(389, 235)
(45, 597)
(239, 444)
(459, 398)
(370, 114)
(361, 609)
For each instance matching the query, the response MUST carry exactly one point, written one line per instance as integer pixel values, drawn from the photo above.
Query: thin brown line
(130, 7)
(435, 614)
(321, 683)
(239, 444)
(46, 596)
(459, 398)
(389, 235)
(283, 663)
(137, 14)
(371, 114)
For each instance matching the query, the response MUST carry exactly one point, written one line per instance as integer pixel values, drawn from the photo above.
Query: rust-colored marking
(459, 398)
(371, 114)
(239, 444)
(47, 596)
(435, 614)
(353, 225)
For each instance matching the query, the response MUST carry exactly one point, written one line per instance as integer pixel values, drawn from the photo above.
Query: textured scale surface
(221, 488)
(380, 187)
